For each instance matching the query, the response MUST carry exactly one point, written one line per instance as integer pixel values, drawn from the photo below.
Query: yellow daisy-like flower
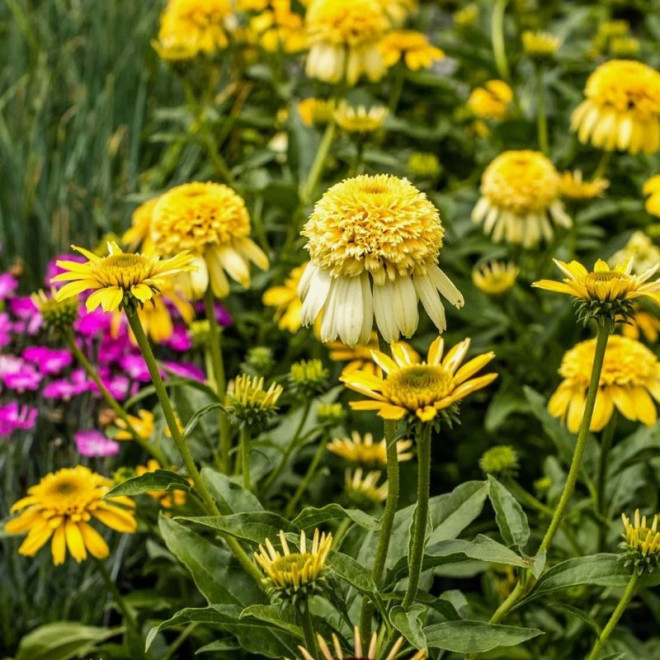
(540, 44)
(410, 46)
(343, 37)
(358, 653)
(279, 28)
(143, 424)
(491, 101)
(211, 222)
(120, 278)
(140, 229)
(630, 380)
(622, 108)
(363, 449)
(57, 315)
(496, 277)
(652, 189)
(191, 27)
(286, 301)
(167, 499)
(420, 389)
(398, 10)
(642, 323)
(316, 112)
(374, 243)
(520, 198)
(641, 542)
(639, 249)
(603, 283)
(360, 119)
(60, 507)
(362, 489)
(250, 402)
(573, 187)
(292, 573)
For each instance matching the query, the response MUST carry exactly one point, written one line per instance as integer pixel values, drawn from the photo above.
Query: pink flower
(17, 374)
(222, 316)
(8, 284)
(185, 370)
(180, 339)
(53, 269)
(13, 416)
(94, 443)
(50, 361)
(76, 384)
(135, 367)
(5, 329)
(91, 323)
(24, 309)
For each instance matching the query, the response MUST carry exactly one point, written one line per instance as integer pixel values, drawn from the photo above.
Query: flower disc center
(418, 386)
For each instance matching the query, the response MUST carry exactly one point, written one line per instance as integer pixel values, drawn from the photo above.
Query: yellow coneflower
(630, 380)
(652, 189)
(640, 250)
(622, 108)
(120, 278)
(316, 112)
(374, 243)
(496, 277)
(138, 234)
(411, 47)
(424, 165)
(641, 542)
(363, 490)
(491, 101)
(60, 507)
(360, 119)
(372, 653)
(279, 29)
(343, 37)
(58, 315)
(191, 27)
(642, 323)
(143, 424)
(520, 198)
(286, 301)
(540, 44)
(250, 402)
(572, 186)
(211, 222)
(167, 499)
(420, 389)
(293, 574)
(363, 450)
(501, 460)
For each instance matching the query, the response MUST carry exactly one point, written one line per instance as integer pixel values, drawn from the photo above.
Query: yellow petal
(58, 546)
(115, 518)
(74, 540)
(93, 541)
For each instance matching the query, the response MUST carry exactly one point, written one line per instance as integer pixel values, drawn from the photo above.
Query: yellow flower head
(624, 46)
(360, 119)
(381, 231)
(641, 542)
(622, 108)
(639, 249)
(294, 574)
(519, 198)
(630, 380)
(191, 27)
(286, 301)
(424, 165)
(279, 29)
(652, 188)
(466, 16)
(362, 490)
(315, 112)
(139, 232)
(421, 389)
(643, 323)
(573, 187)
(250, 402)
(495, 278)
(58, 315)
(540, 44)
(143, 424)
(343, 37)
(491, 101)
(359, 653)
(167, 499)
(60, 506)
(398, 10)
(119, 279)
(501, 460)
(362, 449)
(413, 47)
(209, 220)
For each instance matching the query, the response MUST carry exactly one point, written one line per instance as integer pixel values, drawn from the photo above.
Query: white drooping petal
(446, 287)
(383, 303)
(368, 316)
(430, 299)
(329, 329)
(313, 290)
(406, 315)
(349, 309)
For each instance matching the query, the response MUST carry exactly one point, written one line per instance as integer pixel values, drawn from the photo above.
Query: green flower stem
(215, 351)
(418, 531)
(316, 171)
(601, 506)
(340, 532)
(134, 637)
(111, 401)
(289, 448)
(510, 601)
(307, 479)
(602, 165)
(180, 442)
(397, 87)
(497, 35)
(305, 619)
(387, 523)
(616, 615)
(541, 117)
(603, 333)
(245, 456)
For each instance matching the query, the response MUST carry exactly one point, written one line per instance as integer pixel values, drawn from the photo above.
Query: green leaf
(198, 414)
(476, 636)
(559, 434)
(256, 526)
(509, 515)
(157, 480)
(62, 640)
(356, 575)
(230, 495)
(311, 517)
(213, 569)
(274, 615)
(409, 624)
(225, 644)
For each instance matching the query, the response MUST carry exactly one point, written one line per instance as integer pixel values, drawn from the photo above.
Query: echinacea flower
(61, 506)
(420, 389)
(629, 382)
(640, 250)
(278, 29)
(286, 301)
(93, 443)
(210, 221)
(250, 402)
(343, 37)
(374, 243)
(621, 109)
(143, 425)
(495, 278)
(540, 44)
(652, 189)
(315, 112)
(641, 542)
(119, 279)
(363, 450)
(362, 490)
(501, 460)
(411, 47)
(424, 165)
(643, 323)
(296, 574)
(519, 198)
(360, 119)
(572, 186)
(491, 101)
